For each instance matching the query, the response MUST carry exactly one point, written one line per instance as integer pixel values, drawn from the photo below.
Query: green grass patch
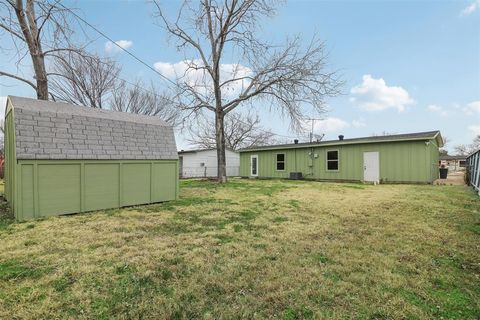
(6, 215)
(279, 219)
(298, 313)
(253, 249)
(15, 270)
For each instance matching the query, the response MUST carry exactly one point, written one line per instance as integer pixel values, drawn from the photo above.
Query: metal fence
(207, 172)
(473, 170)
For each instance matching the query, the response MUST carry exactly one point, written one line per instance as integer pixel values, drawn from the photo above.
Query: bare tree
(39, 29)
(443, 151)
(289, 78)
(462, 149)
(241, 131)
(83, 79)
(475, 144)
(147, 100)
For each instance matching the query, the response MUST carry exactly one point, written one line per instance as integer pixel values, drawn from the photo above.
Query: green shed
(400, 158)
(61, 159)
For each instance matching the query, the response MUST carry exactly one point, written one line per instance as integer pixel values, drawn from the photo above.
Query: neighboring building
(398, 158)
(64, 159)
(473, 172)
(453, 163)
(203, 163)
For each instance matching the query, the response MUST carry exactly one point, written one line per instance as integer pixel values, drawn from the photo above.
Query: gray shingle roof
(54, 130)
(386, 138)
(455, 157)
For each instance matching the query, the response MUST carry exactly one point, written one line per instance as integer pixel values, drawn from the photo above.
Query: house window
(332, 160)
(280, 161)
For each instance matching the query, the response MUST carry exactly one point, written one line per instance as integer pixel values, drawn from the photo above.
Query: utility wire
(103, 34)
(119, 46)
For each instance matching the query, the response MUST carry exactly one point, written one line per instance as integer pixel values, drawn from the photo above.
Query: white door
(254, 165)
(371, 167)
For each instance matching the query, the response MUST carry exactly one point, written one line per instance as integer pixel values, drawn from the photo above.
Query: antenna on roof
(319, 137)
(313, 122)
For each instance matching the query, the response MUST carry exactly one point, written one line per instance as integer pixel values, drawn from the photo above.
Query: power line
(103, 34)
(117, 45)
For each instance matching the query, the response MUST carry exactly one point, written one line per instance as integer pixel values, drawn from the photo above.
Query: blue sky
(408, 65)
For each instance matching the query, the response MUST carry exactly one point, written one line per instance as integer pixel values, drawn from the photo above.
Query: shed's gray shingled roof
(54, 130)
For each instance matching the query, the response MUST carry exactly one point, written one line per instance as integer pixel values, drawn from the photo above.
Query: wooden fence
(473, 170)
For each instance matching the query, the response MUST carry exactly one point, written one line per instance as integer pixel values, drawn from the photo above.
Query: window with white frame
(332, 160)
(280, 161)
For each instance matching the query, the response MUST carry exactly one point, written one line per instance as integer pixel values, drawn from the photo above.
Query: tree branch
(6, 74)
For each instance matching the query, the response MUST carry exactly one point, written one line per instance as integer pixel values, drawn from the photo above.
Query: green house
(61, 159)
(402, 158)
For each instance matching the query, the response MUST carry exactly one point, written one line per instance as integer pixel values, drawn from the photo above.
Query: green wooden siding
(101, 179)
(406, 161)
(59, 188)
(164, 174)
(41, 188)
(54, 187)
(9, 146)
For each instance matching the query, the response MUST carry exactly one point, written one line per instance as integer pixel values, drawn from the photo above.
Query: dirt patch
(453, 179)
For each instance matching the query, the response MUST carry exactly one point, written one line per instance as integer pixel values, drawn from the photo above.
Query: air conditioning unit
(296, 176)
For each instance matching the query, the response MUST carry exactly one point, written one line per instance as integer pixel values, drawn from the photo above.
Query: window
(332, 160)
(280, 161)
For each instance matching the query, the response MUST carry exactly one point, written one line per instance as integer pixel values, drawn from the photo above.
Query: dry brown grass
(253, 249)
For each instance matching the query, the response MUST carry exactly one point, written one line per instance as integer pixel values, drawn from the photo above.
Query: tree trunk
(220, 139)
(36, 53)
(40, 76)
(28, 25)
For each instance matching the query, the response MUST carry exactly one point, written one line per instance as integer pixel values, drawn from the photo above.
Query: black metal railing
(473, 170)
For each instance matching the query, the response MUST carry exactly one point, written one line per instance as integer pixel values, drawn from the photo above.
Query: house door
(254, 165)
(371, 167)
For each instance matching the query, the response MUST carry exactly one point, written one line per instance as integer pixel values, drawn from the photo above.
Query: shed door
(254, 165)
(371, 167)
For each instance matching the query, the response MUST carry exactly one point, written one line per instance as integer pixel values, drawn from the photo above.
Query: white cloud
(3, 104)
(331, 124)
(191, 72)
(472, 108)
(437, 109)
(375, 95)
(111, 47)
(475, 129)
(471, 8)
(359, 123)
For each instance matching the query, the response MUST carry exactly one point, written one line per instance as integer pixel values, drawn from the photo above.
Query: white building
(203, 163)
(453, 163)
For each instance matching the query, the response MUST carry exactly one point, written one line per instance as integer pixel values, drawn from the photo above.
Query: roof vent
(340, 137)
(295, 141)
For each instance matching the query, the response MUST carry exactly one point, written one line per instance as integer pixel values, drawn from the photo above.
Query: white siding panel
(193, 168)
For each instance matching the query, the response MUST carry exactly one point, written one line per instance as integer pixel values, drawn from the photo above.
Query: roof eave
(338, 144)
(439, 138)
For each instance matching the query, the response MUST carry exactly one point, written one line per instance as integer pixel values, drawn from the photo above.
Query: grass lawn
(253, 249)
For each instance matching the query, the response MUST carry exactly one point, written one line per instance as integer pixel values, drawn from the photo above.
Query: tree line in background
(290, 77)
(63, 70)
(466, 149)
